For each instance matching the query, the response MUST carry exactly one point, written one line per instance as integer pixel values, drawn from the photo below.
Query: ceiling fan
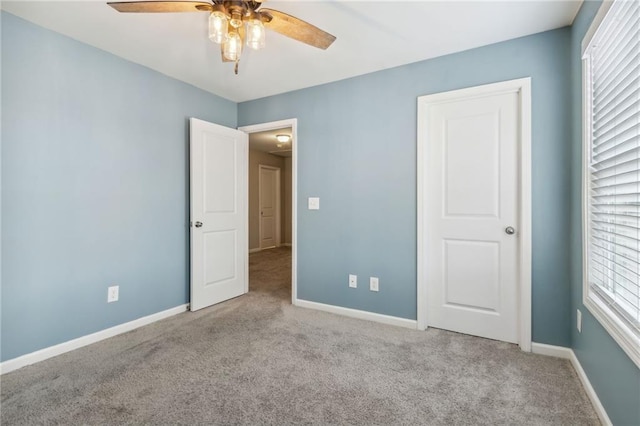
(234, 23)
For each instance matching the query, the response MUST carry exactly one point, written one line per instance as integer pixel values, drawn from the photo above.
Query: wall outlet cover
(579, 321)
(374, 284)
(353, 281)
(113, 293)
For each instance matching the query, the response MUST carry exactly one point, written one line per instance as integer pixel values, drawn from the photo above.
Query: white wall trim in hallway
(255, 250)
(46, 353)
(567, 353)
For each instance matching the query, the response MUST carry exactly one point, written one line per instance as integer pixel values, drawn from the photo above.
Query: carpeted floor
(258, 360)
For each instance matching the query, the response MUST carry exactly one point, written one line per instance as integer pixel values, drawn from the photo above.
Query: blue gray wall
(357, 152)
(94, 187)
(615, 378)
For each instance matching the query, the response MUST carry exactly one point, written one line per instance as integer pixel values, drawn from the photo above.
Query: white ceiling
(371, 36)
(266, 142)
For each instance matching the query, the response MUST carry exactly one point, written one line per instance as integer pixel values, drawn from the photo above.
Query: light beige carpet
(258, 360)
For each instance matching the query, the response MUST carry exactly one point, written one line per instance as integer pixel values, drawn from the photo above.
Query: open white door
(219, 243)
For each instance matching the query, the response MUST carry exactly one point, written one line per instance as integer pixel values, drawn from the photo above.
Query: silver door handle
(198, 224)
(510, 230)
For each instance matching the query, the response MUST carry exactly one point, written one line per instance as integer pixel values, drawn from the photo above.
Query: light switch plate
(314, 203)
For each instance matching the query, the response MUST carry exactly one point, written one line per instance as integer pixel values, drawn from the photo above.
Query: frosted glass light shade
(232, 48)
(255, 34)
(218, 25)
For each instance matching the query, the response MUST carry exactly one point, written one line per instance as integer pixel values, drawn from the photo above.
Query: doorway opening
(271, 208)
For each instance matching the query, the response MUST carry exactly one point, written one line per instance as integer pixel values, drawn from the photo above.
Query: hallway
(270, 271)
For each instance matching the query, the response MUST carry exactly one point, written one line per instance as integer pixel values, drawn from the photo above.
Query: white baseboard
(355, 313)
(551, 350)
(255, 250)
(51, 351)
(602, 413)
(567, 353)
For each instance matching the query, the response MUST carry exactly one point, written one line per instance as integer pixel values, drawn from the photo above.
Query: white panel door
(472, 208)
(219, 219)
(269, 201)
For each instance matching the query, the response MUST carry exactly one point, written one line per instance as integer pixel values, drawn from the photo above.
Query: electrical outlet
(353, 281)
(579, 321)
(373, 283)
(112, 294)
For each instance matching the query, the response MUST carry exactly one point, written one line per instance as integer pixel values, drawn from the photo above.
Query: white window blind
(612, 62)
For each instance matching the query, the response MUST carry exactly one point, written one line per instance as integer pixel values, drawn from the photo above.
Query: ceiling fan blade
(297, 29)
(161, 6)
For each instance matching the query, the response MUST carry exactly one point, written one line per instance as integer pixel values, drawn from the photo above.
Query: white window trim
(618, 330)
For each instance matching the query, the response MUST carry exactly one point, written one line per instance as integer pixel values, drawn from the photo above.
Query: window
(611, 93)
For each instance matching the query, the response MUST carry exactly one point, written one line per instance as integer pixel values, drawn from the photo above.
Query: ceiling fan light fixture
(236, 19)
(283, 138)
(234, 22)
(255, 34)
(232, 47)
(218, 26)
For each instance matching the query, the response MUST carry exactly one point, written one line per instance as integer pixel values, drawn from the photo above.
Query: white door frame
(523, 88)
(274, 125)
(278, 200)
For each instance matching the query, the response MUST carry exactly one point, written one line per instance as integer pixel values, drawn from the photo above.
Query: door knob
(510, 230)
(198, 224)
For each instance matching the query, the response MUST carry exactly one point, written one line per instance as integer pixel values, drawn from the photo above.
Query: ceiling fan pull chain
(235, 68)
